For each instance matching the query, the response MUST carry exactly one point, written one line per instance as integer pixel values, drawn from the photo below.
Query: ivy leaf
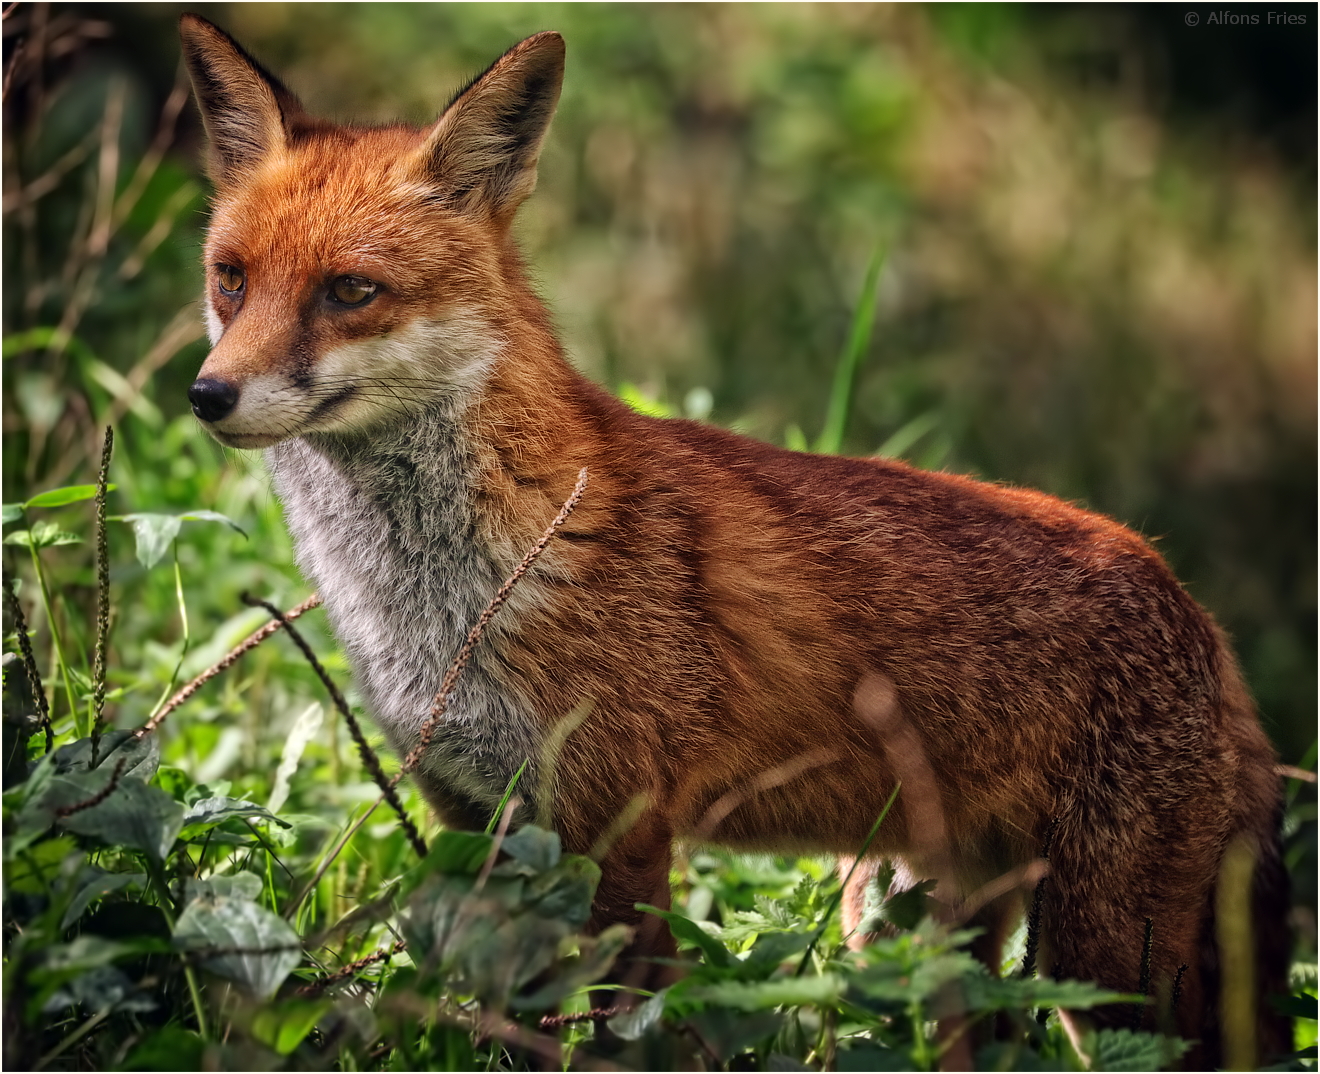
(62, 496)
(264, 948)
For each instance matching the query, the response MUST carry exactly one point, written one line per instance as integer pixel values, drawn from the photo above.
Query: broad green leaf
(982, 992)
(265, 949)
(688, 931)
(153, 534)
(463, 853)
(12, 512)
(133, 814)
(1124, 1049)
(239, 886)
(103, 988)
(94, 883)
(533, 846)
(728, 1032)
(208, 812)
(171, 1048)
(68, 494)
(141, 756)
(284, 1026)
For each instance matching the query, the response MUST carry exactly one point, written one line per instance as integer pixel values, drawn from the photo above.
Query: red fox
(719, 609)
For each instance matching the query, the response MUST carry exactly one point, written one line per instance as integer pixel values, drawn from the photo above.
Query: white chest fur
(385, 529)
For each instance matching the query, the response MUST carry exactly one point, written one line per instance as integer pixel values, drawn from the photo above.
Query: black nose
(212, 399)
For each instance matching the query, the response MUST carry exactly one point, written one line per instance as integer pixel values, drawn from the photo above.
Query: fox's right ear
(244, 108)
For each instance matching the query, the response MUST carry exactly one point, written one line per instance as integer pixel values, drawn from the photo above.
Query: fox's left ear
(481, 154)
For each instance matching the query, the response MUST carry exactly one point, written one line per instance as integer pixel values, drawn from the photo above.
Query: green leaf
(42, 534)
(206, 813)
(687, 931)
(153, 534)
(267, 947)
(12, 512)
(827, 989)
(642, 403)
(533, 846)
(982, 992)
(133, 814)
(1123, 1049)
(239, 886)
(284, 1026)
(172, 1048)
(463, 853)
(94, 883)
(212, 516)
(633, 1024)
(141, 756)
(103, 988)
(68, 494)
(1299, 1005)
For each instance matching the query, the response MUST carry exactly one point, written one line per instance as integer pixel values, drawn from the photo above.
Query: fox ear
(481, 153)
(243, 106)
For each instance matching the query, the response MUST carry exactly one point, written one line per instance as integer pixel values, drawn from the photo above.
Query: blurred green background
(1100, 227)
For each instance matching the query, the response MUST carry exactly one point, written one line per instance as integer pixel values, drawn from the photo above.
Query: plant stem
(189, 974)
(55, 639)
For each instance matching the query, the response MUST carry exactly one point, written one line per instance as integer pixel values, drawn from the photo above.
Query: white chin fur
(390, 376)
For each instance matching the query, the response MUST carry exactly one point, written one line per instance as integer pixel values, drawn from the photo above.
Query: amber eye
(231, 279)
(352, 290)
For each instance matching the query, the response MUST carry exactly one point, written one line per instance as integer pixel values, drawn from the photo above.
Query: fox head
(355, 273)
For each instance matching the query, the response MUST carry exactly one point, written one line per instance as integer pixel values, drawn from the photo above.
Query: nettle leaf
(42, 534)
(827, 989)
(982, 992)
(1124, 1049)
(68, 494)
(263, 947)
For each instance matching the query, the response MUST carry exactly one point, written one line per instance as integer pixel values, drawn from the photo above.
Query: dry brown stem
(30, 663)
(369, 759)
(441, 704)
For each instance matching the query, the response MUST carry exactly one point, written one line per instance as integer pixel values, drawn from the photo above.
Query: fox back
(727, 641)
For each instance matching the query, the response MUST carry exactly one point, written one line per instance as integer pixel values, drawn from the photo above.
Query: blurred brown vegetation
(1101, 277)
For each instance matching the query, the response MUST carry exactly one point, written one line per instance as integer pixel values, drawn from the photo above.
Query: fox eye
(231, 279)
(352, 290)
